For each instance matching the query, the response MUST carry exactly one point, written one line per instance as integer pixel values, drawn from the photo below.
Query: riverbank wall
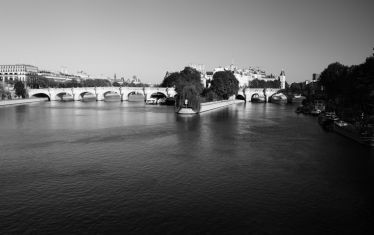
(21, 101)
(208, 106)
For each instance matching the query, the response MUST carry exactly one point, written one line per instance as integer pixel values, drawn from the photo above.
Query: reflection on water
(112, 167)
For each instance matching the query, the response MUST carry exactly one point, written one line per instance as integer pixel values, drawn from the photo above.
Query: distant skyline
(148, 38)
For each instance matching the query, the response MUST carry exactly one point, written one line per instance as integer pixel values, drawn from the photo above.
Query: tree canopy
(257, 83)
(170, 80)
(224, 84)
(187, 85)
(3, 93)
(350, 86)
(20, 90)
(40, 82)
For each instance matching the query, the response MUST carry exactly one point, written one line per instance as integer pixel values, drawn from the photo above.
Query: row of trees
(188, 86)
(129, 84)
(350, 87)
(43, 82)
(311, 90)
(257, 83)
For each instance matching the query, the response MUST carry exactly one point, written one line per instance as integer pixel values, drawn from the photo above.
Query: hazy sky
(148, 38)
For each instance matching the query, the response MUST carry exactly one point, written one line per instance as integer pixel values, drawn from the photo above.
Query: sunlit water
(112, 167)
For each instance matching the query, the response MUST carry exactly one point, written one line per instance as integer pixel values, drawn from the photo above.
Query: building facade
(246, 75)
(17, 72)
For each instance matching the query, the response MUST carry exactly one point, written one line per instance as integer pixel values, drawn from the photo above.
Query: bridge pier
(76, 97)
(53, 97)
(100, 97)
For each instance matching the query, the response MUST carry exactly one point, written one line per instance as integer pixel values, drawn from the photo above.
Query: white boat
(315, 111)
(340, 123)
(151, 101)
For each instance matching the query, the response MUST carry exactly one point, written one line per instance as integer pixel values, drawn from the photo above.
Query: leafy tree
(191, 94)
(116, 84)
(131, 84)
(189, 76)
(72, 83)
(170, 80)
(257, 83)
(188, 87)
(88, 83)
(40, 82)
(20, 90)
(296, 88)
(332, 77)
(210, 95)
(350, 88)
(224, 84)
(3, 93)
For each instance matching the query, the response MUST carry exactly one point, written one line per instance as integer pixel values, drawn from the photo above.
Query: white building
(82, 75)
(282, 78)
(245, 76)
(17, 72)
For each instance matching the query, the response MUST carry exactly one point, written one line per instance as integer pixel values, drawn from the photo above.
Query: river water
(112, 167)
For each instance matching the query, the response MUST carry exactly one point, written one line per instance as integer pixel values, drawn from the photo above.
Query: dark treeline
(311, 90)
(130, 84)
(257, 83)
(350, 89)
(43, 82)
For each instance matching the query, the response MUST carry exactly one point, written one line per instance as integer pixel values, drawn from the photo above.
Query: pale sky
(148, 38)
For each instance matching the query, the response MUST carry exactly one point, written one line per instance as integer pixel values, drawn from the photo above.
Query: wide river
(130, 168)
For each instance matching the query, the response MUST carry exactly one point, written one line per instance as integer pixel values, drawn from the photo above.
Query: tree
(189, 76)
(296, 87)
(170, 80)
(191, 94)
(257, 83)
(116, 84)
(332, 77)
(188, 87)
(40, 82)
(3, 92)
(20, 90)
(350, 88)
(224, 84)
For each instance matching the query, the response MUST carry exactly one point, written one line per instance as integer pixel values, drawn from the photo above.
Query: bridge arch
(113, 94)
(158, 94)
(240, 97)
(255, 95)
(60, 95)
(82, 94)
(135, 93)
(135, 96)
(41, 95)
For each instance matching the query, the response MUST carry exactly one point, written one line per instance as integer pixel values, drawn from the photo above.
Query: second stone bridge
(77, 93)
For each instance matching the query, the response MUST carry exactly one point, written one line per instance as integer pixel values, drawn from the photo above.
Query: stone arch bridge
(248, 93)
(77, 93)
